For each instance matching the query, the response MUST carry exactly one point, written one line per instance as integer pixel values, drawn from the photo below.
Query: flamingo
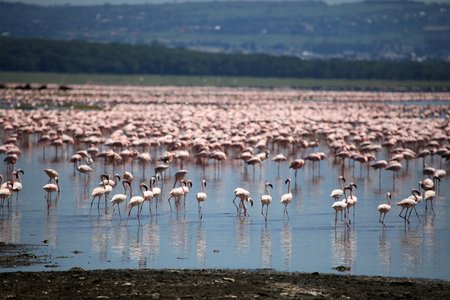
(108, 184)
(352, 200)
(340, 206)
(409, 203)
(186, 189)
(6, 192)
(52, 174)
(337, 193)
(254, 160)
(128, 176)
(84, 169)
(243, 195)
(179, 175)
(74, 159)
(106, 180)
(119, 198)
(51, 188)
(379, 164)
(148, 194)
(156, 190)
(266, 200)
(427, 184)
(384, 209)
(438, 175)
(393, 166)
(429, 196)
(315, 157)
(296, 165)
(278, 159)
(176, 193)
(135, 201)
(287, 198)
(97, 193)
(201, 197)
(17, 182)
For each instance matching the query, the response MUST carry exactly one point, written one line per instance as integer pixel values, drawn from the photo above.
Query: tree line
(39, 55)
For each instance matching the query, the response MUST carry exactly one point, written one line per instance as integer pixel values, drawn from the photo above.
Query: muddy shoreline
(212, 284)
(200, 284)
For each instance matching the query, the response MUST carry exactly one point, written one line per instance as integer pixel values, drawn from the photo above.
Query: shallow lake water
(306, 241)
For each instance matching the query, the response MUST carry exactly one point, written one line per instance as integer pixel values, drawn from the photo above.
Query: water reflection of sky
(307, 241)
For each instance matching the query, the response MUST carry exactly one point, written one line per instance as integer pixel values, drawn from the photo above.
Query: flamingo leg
(139, 215)
(98, 205)
(129, 212)
(417, 214)
(406, 213)
(92, 202)
(400, 214)
(168, 200)
(285, 211)
(237, 208)
(245, 209)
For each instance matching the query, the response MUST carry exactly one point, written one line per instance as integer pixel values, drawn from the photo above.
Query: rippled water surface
(306, 241)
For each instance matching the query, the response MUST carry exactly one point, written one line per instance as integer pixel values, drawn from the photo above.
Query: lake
(305, 240)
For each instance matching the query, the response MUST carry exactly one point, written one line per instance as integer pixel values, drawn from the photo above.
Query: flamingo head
(415, 192)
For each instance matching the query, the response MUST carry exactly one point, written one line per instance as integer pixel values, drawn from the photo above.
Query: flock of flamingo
(174, 127)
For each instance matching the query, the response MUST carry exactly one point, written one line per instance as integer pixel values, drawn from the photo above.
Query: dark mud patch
(15, 255)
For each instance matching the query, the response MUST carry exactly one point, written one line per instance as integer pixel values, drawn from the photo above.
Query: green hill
(37, 55)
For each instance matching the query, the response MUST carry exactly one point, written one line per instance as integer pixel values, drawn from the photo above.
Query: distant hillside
(84, 57)
(394, 30)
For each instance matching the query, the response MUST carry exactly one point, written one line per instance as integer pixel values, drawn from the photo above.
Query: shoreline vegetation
(42, 78)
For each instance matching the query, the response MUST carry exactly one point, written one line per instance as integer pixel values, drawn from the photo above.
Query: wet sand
(200, 284)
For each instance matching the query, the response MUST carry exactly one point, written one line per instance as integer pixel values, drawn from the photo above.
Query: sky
(97, 2)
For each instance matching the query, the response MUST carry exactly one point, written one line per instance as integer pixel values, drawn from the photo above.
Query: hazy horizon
(131, 2)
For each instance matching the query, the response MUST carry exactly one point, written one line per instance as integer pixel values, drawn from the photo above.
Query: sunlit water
(307, 241)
